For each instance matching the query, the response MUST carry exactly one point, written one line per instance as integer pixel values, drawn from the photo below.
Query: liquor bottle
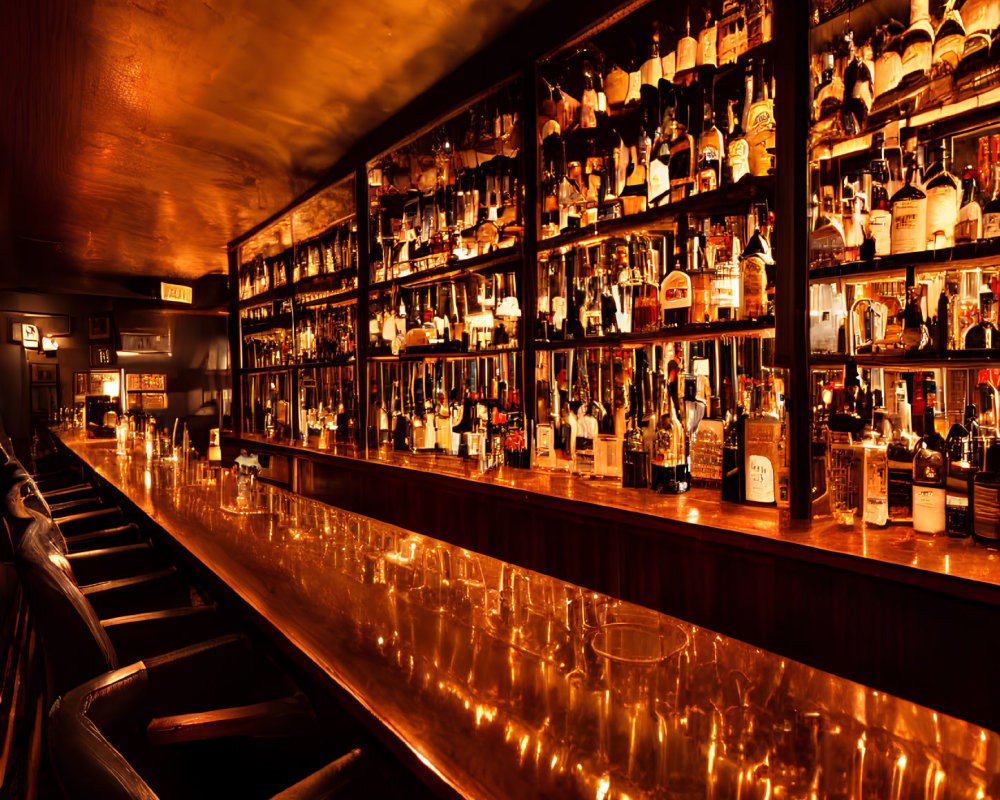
(930, 474)
(708, 42)
(675, 298)
(876, 484)
(859, 89)
(830, 92)
(658, 171)
(710, 149)
(909, 213)
(761, 127)
(983, 334)
(917, 43)
(758, 13)
(961, 470)
(650, 74)
(991, 211)
(986, 500)
(915, 333)
(880, 214)
(754, 261)
(949, 39)
(737, 149)
(670, 472)
(682, 163)
(970, 214)
(762, 436)
(889, 61)
(942, 190)
(732, 32)
(687, 53)
(845, 429)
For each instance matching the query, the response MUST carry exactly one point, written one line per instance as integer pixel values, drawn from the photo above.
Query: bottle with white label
(991, 211)
(930, 475)
(918, 43)
(909, 213)
(943, 194)
(710, 152)
(880, 214)
(737, 150)
(970, 213)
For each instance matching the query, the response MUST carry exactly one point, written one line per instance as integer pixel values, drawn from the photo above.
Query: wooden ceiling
(139, 136)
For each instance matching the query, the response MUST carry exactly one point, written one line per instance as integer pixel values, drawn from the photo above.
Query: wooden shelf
(730, 198)
(278, 322)
(918, 359)
(971, 254)
(281, 293)
(322, 283)
(446, 354)
(485, 263)
(691, 332)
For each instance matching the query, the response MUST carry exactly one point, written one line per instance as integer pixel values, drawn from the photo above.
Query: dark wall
(197, 369)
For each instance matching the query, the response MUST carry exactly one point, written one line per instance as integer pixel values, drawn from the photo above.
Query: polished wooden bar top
(511, 684)
(701, 512)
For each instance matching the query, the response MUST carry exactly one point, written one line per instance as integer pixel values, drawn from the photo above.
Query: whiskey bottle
(830, 91)
(708, 42)
(930, 473)
(737, 149)
(961, 470)
(754, 261)
(710, 150)
(909, 213)
(880, 214)
(682, 163)
(942, 190)
(889, 61)
(760, 129)
(991, 211)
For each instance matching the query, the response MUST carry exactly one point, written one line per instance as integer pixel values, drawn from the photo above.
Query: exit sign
(175, 293)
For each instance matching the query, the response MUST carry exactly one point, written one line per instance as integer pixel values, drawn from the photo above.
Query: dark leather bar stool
(104, 741)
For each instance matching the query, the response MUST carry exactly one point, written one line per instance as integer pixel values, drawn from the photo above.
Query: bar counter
(892, 545)
(508, 683)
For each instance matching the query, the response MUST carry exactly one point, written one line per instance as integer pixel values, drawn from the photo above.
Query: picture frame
(80, 383)
(99, 327)
(101, 355)
(44, 373)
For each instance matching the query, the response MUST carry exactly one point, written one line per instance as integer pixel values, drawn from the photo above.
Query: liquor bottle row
(469, 408)
(855, 79)
(667, 417)
(336, 252)
(453, 193)
(894, 205)
(328, 411)
(321, 333)
(469, 313)
(938, 313)
(902, 449)
(636, 283)
(610, 149)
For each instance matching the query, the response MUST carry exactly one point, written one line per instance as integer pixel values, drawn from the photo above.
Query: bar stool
(98, 749)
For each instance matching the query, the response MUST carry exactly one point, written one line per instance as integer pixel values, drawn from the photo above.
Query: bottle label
(928, 509)
(909, 225)
(708, 178)
(738, 159)
(760, 479)
(917, 57)
(708, 46)
(753, 288)
(888, 71)
(880, 229)
(991, 225)
(876, 510)
(760, 136)
(675, 291)
(634, 86)
(659, 181)
(948, 51)
(942, 213)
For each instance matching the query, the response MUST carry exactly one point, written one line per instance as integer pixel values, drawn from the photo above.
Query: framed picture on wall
(43, 373)
(100, 326)
(80, 382)
(101, 355)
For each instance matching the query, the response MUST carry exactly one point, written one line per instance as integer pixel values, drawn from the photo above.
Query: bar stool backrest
(76, 644)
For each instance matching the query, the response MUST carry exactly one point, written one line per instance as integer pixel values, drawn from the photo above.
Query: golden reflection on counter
(509, 683)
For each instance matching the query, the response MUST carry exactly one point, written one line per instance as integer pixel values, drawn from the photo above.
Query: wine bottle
(970, 214)
(880, 214)
(650, 74)
(991, 211)
(930, 472)
(682, 163)
(949, 39)
(917, 43)
(909, 213)
(942, 190)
